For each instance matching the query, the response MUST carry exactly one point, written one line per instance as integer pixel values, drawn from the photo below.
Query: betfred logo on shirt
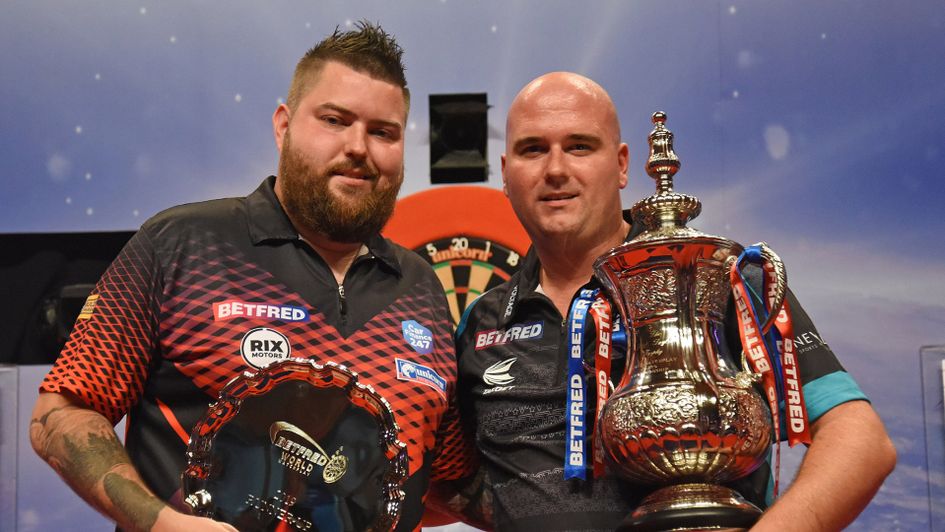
(524, 331)
(227, 310)
(261, 347)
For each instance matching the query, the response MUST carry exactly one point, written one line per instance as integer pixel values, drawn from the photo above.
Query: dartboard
(470, 236)
(467, 266)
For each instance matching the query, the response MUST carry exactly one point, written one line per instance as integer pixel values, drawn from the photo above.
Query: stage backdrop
(818, 127)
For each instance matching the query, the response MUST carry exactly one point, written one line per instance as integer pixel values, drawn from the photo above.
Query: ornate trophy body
(684, 416)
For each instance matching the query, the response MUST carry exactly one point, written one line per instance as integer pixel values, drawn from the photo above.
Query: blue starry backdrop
(815, 126)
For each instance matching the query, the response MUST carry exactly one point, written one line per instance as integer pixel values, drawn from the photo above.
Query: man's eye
(532, 150)
(581, 147)
(332, 120)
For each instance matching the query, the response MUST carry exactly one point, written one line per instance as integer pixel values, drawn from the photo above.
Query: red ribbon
(798, 426)
(756, 352)
(603, 319)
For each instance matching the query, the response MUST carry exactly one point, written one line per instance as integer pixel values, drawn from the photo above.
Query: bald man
(563, 170)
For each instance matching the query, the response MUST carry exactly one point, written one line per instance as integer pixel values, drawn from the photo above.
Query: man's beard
(307, 198)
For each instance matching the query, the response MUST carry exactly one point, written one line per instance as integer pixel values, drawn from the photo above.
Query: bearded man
(299, 263)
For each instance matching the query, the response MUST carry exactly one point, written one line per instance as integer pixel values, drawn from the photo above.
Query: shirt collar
(267, 218)
(525, 282)
(522, 285)
(269, 222)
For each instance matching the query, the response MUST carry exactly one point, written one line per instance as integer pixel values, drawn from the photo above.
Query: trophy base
(691, 507)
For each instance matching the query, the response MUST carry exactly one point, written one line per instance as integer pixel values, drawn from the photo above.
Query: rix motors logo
(263, 346)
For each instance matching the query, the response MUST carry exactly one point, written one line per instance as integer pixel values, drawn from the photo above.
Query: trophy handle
(780, 284)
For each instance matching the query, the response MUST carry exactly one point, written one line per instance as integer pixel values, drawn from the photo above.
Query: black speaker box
(458, 135)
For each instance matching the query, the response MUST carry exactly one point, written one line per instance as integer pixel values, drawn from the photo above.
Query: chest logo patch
(411, 371)
(498, 373)
(227, 310)
(262, 346)
(523, 331)
(418, 337)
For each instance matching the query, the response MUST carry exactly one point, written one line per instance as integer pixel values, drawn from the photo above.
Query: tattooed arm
(81, 445)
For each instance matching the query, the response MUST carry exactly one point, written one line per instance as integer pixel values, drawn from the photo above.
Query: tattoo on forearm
(41, 421)
(81, 445)
(140, 507)
(88, 463)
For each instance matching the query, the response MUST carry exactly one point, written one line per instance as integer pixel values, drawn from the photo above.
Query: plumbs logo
(411, 371)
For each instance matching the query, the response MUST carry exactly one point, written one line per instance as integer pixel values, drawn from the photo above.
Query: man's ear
(623, 160)
(505, 189)
(280, 124)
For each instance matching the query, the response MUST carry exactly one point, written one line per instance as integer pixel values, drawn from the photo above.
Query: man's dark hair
(368, 49)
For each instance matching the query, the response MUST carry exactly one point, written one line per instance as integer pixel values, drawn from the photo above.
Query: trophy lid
(666, 211)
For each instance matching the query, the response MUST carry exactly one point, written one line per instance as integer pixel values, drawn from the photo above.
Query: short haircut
(368, 49)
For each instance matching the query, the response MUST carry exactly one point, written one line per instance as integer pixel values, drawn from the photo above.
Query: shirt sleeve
(106, 359)
(455, 456)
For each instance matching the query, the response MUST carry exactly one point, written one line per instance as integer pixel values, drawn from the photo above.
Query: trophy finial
(665, 209)
(663, 163)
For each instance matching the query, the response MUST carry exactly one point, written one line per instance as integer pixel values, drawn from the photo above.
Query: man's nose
(356, 141)
(556, 170)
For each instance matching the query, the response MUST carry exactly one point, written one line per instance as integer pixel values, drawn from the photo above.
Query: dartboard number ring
(467, 266)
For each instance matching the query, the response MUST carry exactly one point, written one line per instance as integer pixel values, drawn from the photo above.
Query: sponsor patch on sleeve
(233, 308)
(418, 337)
(411, 371)
(88, 307)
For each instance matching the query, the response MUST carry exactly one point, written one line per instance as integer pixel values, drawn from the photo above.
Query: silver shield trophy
(684, 417)
(297, 446)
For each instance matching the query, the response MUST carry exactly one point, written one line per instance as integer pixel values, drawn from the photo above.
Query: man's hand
(81, 445)
(172, 521)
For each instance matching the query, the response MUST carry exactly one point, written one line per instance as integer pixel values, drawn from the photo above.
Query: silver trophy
(297, 446)
(684, 416)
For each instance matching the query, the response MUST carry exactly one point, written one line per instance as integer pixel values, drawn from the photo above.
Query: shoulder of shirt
(198, 214)
(406, 256)
(408, 261)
